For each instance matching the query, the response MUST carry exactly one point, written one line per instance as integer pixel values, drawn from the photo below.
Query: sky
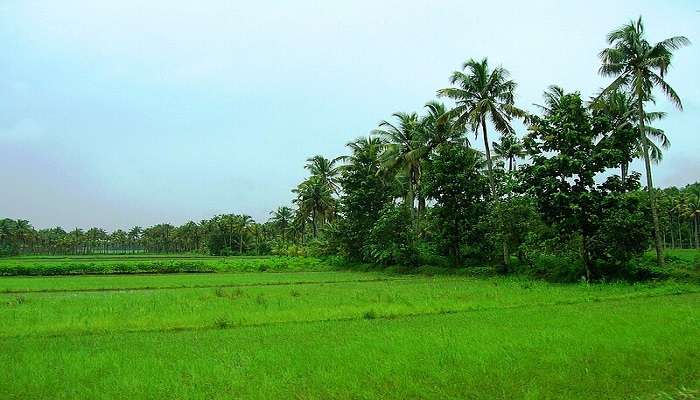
(123, 113)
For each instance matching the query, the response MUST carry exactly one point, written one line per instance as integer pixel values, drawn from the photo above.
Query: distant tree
(509, 148)
(134, 236)
(282, 219)
(314, 199)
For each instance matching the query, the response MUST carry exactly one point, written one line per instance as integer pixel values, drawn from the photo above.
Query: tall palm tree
(510, 148)
(243, 223)
(399, 155)
(639, 67)
(282, 219)
(314, 199)
(24, 233)
(365, 150)
(326, 169)
(482, 94)
(552, 97)
(621, 109)
(438, 127)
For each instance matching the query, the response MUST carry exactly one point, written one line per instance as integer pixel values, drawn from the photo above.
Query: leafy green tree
(365, 193)
(454, 181)
(566, 161)
(392, 239)
(640, 66)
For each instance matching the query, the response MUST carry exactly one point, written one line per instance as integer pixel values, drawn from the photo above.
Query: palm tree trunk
(421, 197)
(489, 163)
(492, 184)
(673, 242)
(650, 185)
(623, 172)
(586, 258)
(410, 196)
(697, 242)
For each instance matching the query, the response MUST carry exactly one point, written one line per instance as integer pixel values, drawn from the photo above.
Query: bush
(556, 268)
(392, 238)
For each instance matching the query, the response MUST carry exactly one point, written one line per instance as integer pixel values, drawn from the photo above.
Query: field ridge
(224, 325)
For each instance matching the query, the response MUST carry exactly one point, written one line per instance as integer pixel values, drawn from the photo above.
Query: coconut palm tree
(242, 223)
(24, 233)
(510, 148)
(400, 155)
(314, 199)
(639, 67)
(326, 169)
(439, 127)
(282, 219)
(552, 97)
(482, 94)
(364, 150)
(621, 110)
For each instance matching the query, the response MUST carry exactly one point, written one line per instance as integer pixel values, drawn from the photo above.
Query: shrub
(392, 238)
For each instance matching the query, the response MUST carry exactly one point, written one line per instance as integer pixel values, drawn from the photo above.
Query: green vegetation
(344, 335)
(151, 264)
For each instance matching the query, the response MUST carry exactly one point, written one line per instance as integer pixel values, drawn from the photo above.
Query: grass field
(333, 334)
(129, 264)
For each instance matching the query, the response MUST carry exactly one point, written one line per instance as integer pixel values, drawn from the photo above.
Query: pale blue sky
(122, 113)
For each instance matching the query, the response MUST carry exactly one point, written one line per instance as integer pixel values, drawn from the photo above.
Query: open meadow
(320, 332)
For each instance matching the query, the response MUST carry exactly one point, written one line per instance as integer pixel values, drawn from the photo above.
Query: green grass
(109, 264)
(684, 256)
(21, 284)
(344, 335)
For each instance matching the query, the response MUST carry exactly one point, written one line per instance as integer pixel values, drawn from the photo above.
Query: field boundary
(232, 285)
(360, 317)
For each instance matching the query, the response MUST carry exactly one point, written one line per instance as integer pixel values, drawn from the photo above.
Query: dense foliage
(415, 192)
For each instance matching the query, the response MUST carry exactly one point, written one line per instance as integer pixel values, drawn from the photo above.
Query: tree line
(415, 191)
